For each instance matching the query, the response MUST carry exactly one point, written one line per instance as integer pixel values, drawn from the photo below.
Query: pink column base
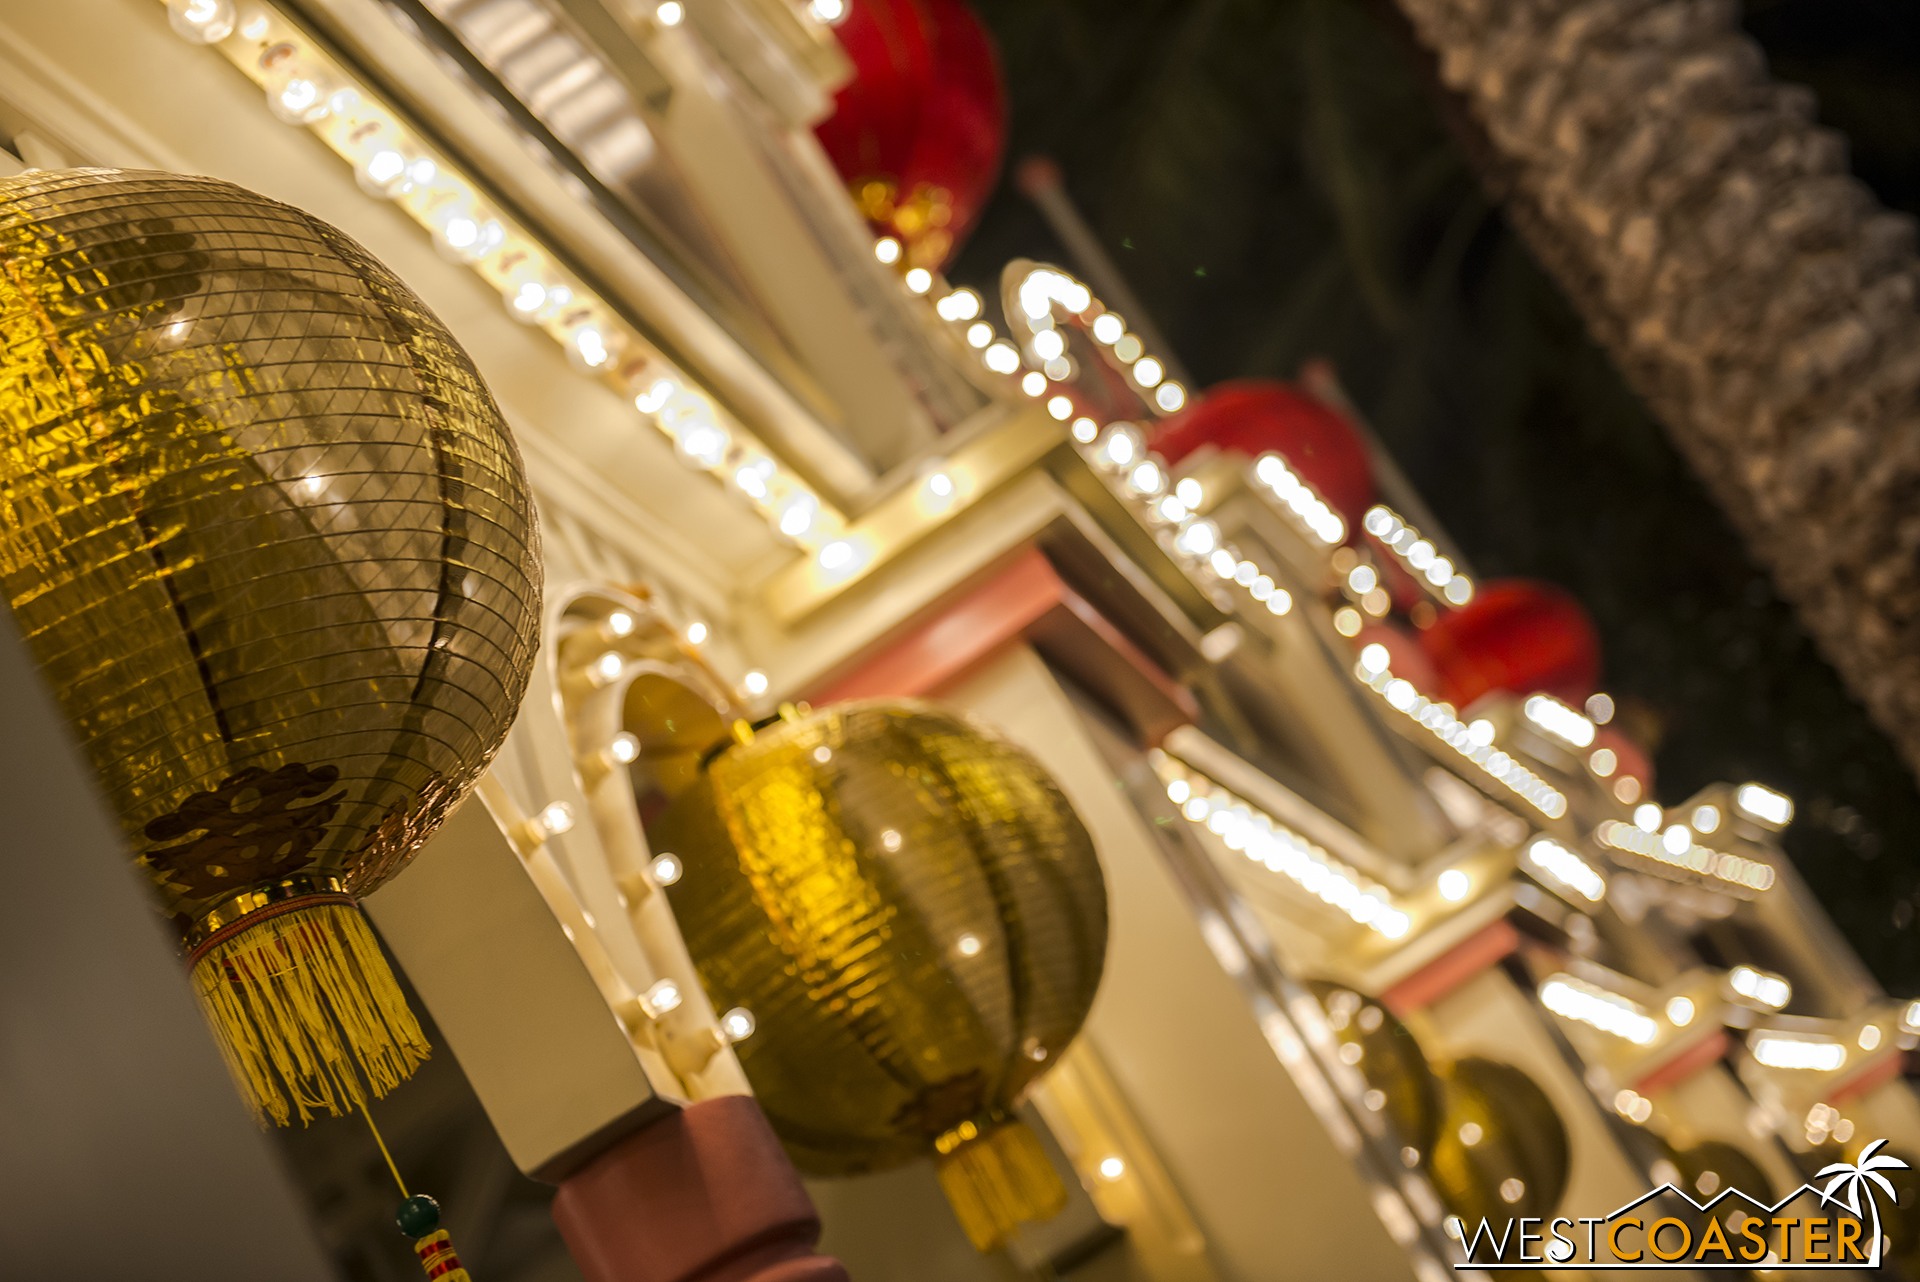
(706, 1195)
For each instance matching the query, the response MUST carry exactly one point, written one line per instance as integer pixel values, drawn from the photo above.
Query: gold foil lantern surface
(266, 533)
(916, 919)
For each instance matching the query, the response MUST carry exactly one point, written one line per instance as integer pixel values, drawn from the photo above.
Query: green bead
(418, 1216)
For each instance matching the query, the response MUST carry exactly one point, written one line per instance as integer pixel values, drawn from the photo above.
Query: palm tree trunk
(1754, 293)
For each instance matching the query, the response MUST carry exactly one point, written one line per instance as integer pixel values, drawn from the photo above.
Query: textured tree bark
(1753, 292)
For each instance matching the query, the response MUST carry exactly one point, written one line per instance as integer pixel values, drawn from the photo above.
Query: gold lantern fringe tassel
(996, 1180)
(298, 996)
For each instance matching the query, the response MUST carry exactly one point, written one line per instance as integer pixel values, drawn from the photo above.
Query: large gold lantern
(269, 541)
(916, 919)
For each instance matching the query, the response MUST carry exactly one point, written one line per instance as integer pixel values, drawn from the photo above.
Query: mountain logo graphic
(1847, 1237)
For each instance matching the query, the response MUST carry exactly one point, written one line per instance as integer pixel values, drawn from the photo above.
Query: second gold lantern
(916, 919)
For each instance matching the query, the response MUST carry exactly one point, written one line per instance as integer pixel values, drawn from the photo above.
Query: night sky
(1275, 181)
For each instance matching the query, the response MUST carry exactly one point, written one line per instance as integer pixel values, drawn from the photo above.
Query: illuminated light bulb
(529, 298)
(1374, 658)
(1453, 885)
(1603, 762)
(670, 13)
(1480, 732)
(939, 485)
(462, 233)
(313, 484)
(1420, 555)
(1680, 1011)
(755, 682)
(624, 749)
(1758, 986)
(752, 479)
(654, 398)
(1147, 371)
(1108, 327)
(1169, 396)
(1189, 492)
(1002, 358)
(1347, 621)
(1592, 1005)
(1440, 573)
(1121, 447)
(1198, 538)
(1280, 602)
(837, 555)
(1600, 708)
(591, 346)
(797, 515)
(1676, 839)
(255, 27)
(556, 818)
(887, 250)
(1363, 579)
(968, 945)
(620, 623)
(1147, 478)
(383, 169)
(1705, 818)
(890, 839)
(1085, 430)
(422, 171)
(1627, 789)
(606, 668)
(1869, 1037)
(703, 445)
(1761, 803)
(1128, 348)
(1034, 383)
(1060, 407)
(737, 1025)
(1380, 523)
(919, 280)
(1112, 1168)
(300, 101)
(1647, 817)
(979, 334)
(666, 868)
(204, 22)
(664, 996)
(1245, 573)
(1178, 791)
(1261, 588)
(960, 305)
(1460, 590)
(1222, 562)
(1048, 344)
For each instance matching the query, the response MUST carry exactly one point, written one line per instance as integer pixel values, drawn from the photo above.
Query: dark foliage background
(1275, 179)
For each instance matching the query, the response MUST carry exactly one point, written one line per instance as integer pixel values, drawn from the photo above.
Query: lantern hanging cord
(368, 1114)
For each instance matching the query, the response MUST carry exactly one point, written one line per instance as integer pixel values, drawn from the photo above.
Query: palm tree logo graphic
(1852, 1179)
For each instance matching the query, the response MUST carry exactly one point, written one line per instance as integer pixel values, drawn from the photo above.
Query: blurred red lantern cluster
(1516, 635)
(919, 132)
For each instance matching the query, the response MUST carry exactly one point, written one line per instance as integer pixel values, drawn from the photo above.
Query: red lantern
(1252, 416)
(1517, 635)
(919, 131)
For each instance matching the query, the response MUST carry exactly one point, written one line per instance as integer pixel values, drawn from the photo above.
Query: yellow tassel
(996, 1180)
(304, 1006)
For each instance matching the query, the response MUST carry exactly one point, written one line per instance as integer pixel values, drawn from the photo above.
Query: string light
(1778, 1051)
(1689, 855)
(1307, 507)
(1250, 830)
(391, 162)
(1563, 868)
(1558, 720)
(1468, 740)
(1760, 987)
(1763, 805)
(1594, 1006)
(1434, 571)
